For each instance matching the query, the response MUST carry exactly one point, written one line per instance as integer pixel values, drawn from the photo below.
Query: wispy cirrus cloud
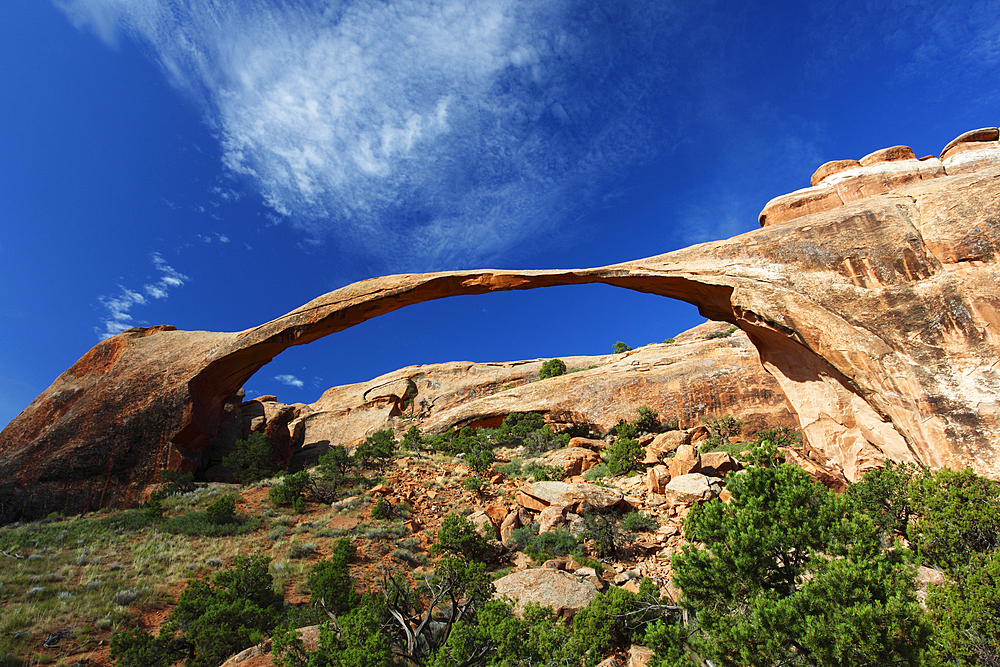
(290, 380)
(118, 307)
(418, 131)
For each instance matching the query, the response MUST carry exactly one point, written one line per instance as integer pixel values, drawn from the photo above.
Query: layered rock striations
(875, 311)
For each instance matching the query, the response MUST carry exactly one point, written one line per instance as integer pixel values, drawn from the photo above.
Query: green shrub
(721, 430)
(138, 648)
(459, 536)
(480, 459)
(222, 511)
(600, 471)
(620, 347)
(178, 482)
(516, 425)
(611, 621)
(475, 484)
(552, 368)
(411, 439)
(153, 510)
(511, 470)
(965, 615)
(334, 464)
(669, 341)
(637, 522)
(212, 620)
(782, 436)
(788, 571)
(725, 333)
(253, 459)
(330, 582)
(291, 488)
(624, 456)
(299, 550)
(197, 523)
(220, 519)
(959, 517)
(382, 510)
(884, 495)
(602, 528)
(648, 422)
(554, 543)
(377, 450)
(544, 440)
(540, 472)
(764, 455)
(359, 641)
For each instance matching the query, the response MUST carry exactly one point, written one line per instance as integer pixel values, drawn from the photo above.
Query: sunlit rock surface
(877, 318)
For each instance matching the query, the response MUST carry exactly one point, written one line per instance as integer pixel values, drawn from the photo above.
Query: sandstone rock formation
(565, 593)
(688, 379)
(871, 297)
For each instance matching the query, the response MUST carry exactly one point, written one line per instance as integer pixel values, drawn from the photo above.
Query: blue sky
(212, 164)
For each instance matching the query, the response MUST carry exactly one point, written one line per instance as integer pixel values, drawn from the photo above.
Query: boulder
(484, 524)
(588, 443)
(340, 522)
(551, 517)
(396, 392)
(497, 513)
(510, 523)
(717, 464)
(657, 478)
(685, 461)
(579, 498)
(639, 656)
(831, 168)
(529, 502)
(970, 139)
(827, 475)
(562, 591)
(573, 460)
(696, 435)
(668, 442)
(891, 154)
(261, 656)
(693, 488)
(686, 452)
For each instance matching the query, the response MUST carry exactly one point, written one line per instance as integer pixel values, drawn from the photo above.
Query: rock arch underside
(872, 298)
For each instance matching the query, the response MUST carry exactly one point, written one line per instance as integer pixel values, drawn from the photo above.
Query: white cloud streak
(118, 317)
(290, 380)
(421, 131)
(118, 307)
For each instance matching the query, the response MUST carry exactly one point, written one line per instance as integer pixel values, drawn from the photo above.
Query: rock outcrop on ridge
(697, 376)
(876, 312)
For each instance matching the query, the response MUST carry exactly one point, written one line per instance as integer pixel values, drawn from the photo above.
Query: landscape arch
(877, 328)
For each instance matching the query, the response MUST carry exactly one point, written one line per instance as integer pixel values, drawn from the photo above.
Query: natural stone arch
(877, 318)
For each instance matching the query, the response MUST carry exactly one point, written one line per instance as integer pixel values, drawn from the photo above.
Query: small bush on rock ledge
(552, 368)
(620, 347)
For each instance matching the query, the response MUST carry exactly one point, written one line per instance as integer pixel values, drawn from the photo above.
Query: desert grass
(75, 581)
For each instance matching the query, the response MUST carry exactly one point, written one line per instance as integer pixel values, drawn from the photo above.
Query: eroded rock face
(875, 306)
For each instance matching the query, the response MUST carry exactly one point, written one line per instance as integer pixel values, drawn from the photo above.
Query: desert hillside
(807, 478)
